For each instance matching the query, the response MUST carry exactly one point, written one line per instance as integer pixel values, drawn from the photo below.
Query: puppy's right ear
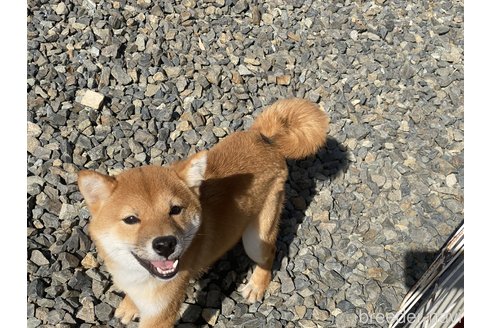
(95, 187)
(192, 170)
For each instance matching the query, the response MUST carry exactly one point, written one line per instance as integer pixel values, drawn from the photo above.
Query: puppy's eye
(131, 220)
(175, 210)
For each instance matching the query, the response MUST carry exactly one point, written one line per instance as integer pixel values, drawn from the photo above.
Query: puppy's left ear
(192, 170)
(95, 187)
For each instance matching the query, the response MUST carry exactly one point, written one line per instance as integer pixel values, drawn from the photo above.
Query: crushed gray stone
(113, 85)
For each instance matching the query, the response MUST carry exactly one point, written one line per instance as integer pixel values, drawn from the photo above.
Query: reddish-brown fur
(239, 194)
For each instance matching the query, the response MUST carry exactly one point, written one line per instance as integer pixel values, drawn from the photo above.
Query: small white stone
(172, 72)
(144, 3)
(219, 132)
(92, 99)
(267, 19)
(243, 70)
(372, 36)
(61, 9)
(336, 312)
(89, 261)
(252, 61)
(354, 35)
(308, 22)
(32, 144)
(33, 130)
(390, 234)
(183, 126)
(404, 126)
(378, 179)
(159, 77)
(351, 143)
(152, 90)
(137, 103)
(451, 180)
(389, 145)
(38, 258)
(140, 157)
(234, 59)
(140, 42)
(68, 212)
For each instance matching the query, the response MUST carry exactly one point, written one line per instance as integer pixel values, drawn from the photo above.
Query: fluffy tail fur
(297, 127)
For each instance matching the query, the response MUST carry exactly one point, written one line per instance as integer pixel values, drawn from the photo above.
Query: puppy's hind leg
(259, 240)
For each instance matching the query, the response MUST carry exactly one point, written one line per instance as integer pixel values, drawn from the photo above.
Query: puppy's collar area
(165, 269)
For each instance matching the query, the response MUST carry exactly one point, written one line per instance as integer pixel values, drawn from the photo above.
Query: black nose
(164, 245)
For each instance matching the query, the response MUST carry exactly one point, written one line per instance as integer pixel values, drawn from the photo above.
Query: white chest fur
(149, 300)
(129, 276)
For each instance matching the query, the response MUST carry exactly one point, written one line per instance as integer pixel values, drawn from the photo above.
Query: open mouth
(165, 269)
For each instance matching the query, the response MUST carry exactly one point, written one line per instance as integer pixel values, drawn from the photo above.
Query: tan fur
(297, 126)
(235, 190)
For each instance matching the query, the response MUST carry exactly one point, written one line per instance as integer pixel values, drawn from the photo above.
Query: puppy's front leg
(126, 311)
(174, 294)
(167, 317)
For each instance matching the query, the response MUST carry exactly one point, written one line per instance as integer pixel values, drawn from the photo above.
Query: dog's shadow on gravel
(416, 264)
(223, 279)
(306, 179)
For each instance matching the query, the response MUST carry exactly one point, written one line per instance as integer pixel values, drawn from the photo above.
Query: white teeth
(164, 272)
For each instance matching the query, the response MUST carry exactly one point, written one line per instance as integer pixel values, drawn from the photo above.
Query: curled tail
(297, 127)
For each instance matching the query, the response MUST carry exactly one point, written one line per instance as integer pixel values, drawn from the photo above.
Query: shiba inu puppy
(158, 227)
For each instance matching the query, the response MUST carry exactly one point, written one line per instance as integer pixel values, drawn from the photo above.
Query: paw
(257, 285)
(126, 311)
(251, 292)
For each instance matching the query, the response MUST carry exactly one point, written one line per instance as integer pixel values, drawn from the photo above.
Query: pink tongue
(163, 265)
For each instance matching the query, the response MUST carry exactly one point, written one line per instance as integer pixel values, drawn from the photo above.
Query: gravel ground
(119, 84)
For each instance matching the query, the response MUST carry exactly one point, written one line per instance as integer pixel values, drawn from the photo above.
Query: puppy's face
(144, 219)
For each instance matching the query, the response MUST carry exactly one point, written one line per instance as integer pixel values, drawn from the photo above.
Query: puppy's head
(144, 219)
